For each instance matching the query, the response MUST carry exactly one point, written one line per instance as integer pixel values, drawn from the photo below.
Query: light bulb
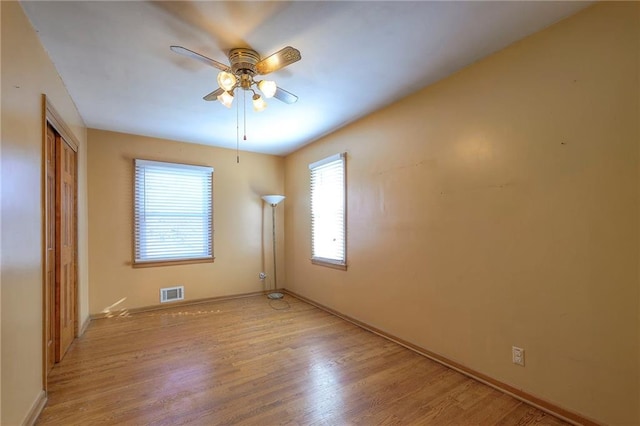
(226, 99)
(226, 80)
(258, 103)
(268, 88)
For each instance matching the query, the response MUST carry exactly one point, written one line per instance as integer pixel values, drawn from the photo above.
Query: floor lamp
(274, 200)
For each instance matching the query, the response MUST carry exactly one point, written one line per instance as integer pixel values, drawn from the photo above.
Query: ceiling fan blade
(191, 54)
(284, 96)
(213, 96)
(280, 59)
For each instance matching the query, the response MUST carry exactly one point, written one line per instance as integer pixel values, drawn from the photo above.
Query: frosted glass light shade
(273, 199)
(226, 80)
(258, 103)
(268, 88)
(226, 99)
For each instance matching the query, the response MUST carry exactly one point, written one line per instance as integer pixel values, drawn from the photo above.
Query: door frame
(51, 117)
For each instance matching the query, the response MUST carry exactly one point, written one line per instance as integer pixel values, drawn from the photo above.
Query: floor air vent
(171, 294)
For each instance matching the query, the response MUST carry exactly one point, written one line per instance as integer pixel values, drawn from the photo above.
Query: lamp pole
(274, 200)
(275, 273)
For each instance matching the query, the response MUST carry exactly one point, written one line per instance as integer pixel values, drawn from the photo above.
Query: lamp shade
(273, 199)
(226, 99)
(258, 103)
(267, 87)
(226, 80)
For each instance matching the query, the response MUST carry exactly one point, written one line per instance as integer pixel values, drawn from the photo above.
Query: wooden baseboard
(539, 403)
(36, 409)
(125, 312)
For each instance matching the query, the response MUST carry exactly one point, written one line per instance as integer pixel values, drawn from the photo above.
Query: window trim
(323, 261)
(167, 262)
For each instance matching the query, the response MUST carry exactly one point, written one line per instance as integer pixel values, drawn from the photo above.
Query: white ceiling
(357, 57)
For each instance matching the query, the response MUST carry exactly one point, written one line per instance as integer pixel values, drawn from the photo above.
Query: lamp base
(275, 295)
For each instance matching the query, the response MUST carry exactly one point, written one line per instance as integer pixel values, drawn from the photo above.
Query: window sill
(171, 262)
(329, 263)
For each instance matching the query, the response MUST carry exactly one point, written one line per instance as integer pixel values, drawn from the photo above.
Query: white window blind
(328, 211)
(173, 212)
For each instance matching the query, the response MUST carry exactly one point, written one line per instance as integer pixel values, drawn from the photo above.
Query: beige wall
(499, 207)
(242, 244)
(496, 208)
(27, 73)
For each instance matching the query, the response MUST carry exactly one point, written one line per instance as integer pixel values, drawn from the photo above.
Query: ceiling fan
(245, 64)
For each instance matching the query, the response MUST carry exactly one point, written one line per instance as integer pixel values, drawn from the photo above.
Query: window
(173, 213)
(328, 208)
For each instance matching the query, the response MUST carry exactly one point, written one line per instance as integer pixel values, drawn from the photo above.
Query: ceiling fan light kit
(245, 64)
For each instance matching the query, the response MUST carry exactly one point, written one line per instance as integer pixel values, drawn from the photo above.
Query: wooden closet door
(50, 244)
(66, 242)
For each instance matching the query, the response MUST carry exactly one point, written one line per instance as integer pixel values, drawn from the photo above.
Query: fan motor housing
(243, 61)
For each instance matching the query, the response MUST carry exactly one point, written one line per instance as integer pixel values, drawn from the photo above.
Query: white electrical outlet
(517, 355)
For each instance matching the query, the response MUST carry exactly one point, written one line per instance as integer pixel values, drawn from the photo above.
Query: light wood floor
(243, 362)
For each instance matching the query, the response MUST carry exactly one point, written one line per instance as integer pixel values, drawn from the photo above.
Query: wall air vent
(171, 294)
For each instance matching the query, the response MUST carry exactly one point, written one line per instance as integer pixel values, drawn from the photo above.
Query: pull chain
(237, 133)
(244, 103)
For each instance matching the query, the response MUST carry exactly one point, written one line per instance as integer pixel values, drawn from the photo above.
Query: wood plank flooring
(243, 362)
